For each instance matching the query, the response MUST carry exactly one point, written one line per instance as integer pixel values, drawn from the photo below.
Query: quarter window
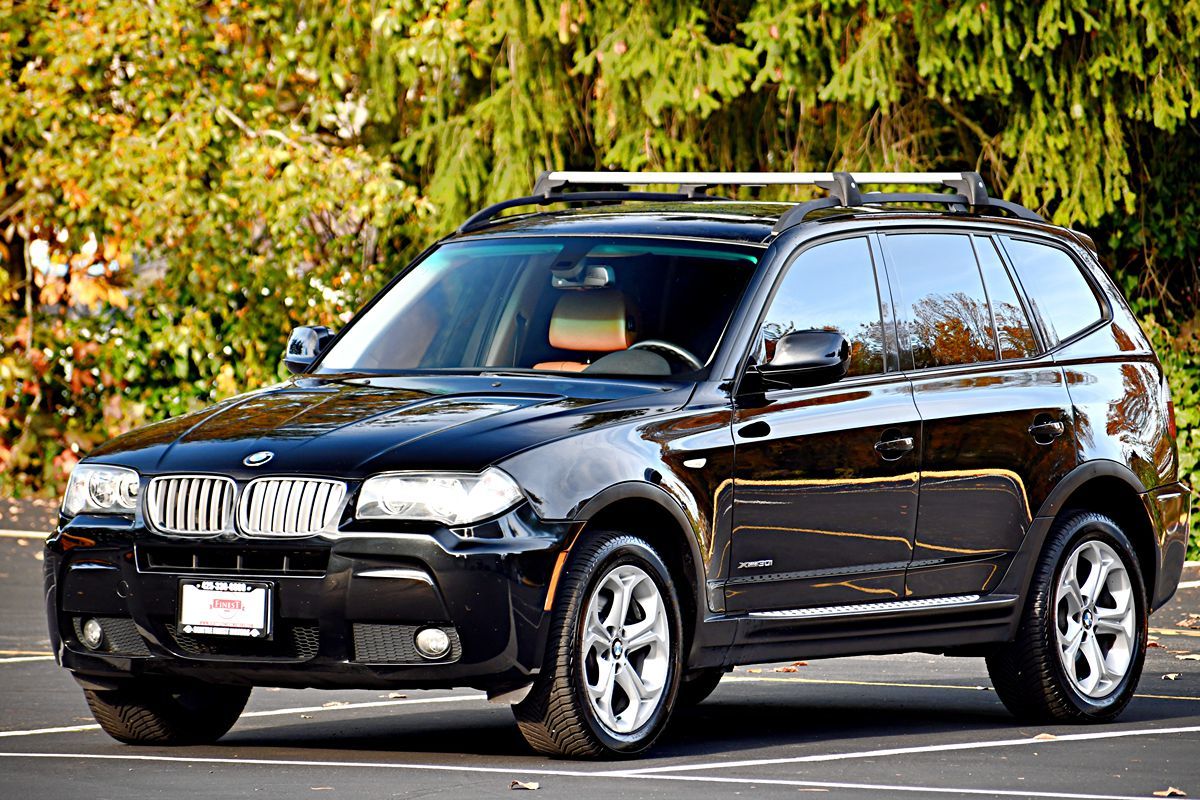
(1060, 297)
(944, 316)
(831, 287)
(1012, 328)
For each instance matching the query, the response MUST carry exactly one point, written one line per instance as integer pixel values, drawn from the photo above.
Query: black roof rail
(478, 219)
(843, 187)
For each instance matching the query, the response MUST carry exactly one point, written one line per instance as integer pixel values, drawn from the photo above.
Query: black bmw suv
(589, 460)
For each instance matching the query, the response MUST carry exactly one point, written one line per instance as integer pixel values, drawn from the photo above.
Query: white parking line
(901, 751)
(278, 712)
(8, 533)
(21, 659)
(1189, 585)
(513, 771)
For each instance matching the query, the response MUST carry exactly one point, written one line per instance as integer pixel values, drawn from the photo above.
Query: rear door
(825, 488)
(997, 422)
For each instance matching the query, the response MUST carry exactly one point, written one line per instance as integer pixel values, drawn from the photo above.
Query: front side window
(943, 310)
(831, 287)
(602, 305)
(1060, 297)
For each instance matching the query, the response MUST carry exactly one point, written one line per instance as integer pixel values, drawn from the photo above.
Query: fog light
(91, 633)
(433, 642)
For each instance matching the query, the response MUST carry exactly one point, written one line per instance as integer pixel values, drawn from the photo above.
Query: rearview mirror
(809, 358)
(305, 345)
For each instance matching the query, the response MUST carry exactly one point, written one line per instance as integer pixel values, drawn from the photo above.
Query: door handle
(891, 449)
(755, 430)
(1045, 431)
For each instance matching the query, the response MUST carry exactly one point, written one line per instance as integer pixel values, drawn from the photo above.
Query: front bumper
(346, 607)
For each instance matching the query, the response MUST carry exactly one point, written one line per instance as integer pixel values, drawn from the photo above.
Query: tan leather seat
(594, 321)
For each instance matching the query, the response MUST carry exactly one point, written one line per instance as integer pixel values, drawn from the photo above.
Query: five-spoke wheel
(1078, 653)
(626, 648)
(1095, 619)
(612, 665)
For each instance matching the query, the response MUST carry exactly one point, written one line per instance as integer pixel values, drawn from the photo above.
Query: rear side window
(942, 308)
(1013, 331)
(1060, 297)
(831, 287)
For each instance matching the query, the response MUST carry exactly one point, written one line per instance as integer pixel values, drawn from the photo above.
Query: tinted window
(1013, 330)
(831, 287)
(1059, 296)
(943, 310)
(573, 304)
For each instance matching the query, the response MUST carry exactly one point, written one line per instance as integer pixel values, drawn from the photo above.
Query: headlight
(447, 497)
(100, 489)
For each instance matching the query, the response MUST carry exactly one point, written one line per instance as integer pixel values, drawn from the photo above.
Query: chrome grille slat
(290, 506)
(190, 504)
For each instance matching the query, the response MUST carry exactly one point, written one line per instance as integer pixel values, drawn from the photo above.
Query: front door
(825, 478)
(997, 421)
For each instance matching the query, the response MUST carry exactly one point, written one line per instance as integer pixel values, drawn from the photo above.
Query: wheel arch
(649, 511)
(1110, 488)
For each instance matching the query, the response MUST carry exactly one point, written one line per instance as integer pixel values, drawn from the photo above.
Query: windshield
(601, 305)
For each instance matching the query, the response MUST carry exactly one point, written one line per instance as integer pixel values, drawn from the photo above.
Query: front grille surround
(276, 506)
(191, 505)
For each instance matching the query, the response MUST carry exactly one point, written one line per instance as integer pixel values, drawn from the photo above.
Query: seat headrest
(594, 320)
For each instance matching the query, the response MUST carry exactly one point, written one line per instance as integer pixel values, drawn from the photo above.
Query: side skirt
(898, 626)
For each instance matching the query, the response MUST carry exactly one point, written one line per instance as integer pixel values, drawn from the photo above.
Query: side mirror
(808, 358)
(305, 345)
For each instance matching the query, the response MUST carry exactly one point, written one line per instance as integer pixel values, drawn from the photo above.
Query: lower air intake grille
(394, 644)
(291, 642)
(121, 636)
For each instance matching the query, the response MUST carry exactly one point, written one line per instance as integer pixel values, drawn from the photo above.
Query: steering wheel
(666, 348)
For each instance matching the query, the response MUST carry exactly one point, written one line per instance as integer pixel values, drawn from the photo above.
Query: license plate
(225, 608)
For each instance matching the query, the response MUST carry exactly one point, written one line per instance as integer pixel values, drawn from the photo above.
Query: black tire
(697, 685)
(162, 714)
(556, 717)
(1028, 673)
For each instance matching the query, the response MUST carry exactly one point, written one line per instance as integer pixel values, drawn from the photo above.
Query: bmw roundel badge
(258, 459)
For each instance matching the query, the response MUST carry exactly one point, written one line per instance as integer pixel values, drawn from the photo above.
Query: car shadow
(725, 724)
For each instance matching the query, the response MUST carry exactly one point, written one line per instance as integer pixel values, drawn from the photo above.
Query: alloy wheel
(1095, 619)
(626, 649)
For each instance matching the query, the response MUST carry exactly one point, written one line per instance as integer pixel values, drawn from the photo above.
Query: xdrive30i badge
(258, 459)
(760, 564)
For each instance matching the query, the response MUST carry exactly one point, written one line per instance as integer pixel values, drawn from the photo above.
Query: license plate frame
(228, 608)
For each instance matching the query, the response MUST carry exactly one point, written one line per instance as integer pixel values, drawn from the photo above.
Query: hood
(351, 428)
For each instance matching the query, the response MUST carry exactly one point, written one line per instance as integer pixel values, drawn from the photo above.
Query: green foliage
(188, 180)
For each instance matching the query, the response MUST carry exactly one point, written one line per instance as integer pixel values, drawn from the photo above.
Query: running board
(963, 601)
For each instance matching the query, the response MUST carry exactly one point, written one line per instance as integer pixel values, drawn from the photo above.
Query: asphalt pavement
(881, 726)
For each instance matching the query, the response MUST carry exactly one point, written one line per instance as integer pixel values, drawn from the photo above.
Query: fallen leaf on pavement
(306, 716)
(397, 696)
(1189, 657)
(754, 671)
(1045, 737)
(785, 669)
(799, 663)
(519, 785)
(334, 704)
(1171, 676)
(1170, 791)
(22, 542)
(1153, 644)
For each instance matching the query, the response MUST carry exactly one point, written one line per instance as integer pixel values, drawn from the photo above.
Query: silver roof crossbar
(844, 188)
(968, 191)
(556, 180)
